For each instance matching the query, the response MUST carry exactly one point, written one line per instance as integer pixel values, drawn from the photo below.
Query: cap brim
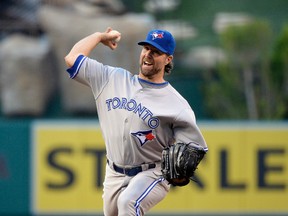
(154, 45)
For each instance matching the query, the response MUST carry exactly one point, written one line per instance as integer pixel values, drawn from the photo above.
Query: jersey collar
(149, 84)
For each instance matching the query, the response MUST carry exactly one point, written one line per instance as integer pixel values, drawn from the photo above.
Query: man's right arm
(87, 44)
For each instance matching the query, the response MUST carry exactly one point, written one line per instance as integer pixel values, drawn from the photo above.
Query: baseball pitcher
(150, 131)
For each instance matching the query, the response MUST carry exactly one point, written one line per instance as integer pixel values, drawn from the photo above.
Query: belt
(130, 171)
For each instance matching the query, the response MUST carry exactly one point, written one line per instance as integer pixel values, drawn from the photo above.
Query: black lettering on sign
(98, 155)
(264, 168)
(198, 182)
(68, 172)
(224, 174)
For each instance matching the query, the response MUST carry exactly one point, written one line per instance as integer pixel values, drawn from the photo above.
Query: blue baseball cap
(160, 39)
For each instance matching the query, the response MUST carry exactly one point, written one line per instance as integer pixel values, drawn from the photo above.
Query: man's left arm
(180, 160)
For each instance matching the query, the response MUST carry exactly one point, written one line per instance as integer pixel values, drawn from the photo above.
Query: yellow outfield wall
(245, 169)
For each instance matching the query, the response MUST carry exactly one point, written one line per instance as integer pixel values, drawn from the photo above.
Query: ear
(168, 59)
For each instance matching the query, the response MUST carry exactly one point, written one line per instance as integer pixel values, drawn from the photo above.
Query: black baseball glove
(180, 161)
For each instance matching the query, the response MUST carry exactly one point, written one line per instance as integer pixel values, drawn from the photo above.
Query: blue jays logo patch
(144, 136)
(157, 35)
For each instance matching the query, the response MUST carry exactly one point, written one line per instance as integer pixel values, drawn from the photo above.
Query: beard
(149, 71)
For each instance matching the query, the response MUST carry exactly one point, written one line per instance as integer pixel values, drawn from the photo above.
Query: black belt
(130, 171)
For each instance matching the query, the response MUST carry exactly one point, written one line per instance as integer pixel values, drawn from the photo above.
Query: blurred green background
(207, 87)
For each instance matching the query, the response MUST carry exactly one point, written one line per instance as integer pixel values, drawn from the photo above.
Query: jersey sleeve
(91, 73)
(187, 131)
